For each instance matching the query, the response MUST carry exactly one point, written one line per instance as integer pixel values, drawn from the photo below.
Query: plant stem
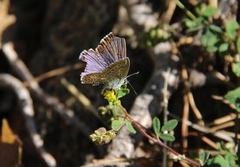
(189, 13)
(155, 140)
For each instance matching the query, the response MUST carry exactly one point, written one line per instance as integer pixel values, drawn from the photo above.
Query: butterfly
(107, 64)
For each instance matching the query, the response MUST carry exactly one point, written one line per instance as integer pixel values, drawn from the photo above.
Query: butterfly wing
(116, 71)
(112, 49)
(94, 79)
(94, 61)
(107, 63)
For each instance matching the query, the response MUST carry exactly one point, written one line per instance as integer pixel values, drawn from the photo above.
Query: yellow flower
(110, 95)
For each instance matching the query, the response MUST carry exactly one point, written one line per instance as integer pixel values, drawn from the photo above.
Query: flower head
(110, 95)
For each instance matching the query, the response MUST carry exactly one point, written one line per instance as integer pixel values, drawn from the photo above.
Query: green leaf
(215, 28)
(198, 8)
(209, 40)
(238, 45)
(218, 161)
(169, 125)
(236, 69)
(167, 137)
(209, 11)
(231, 158)
(238, 154)
(231, 29)
(117, 124)
(223, 49)
(211, 49)
(190, 23)
(193, 29)
(204, 157)
(193, 23)
(130, 127)
(234, 98)
(123, 91)
(156, 126)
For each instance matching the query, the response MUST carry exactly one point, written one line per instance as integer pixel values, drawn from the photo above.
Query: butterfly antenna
(132, 74)
(130, 83)
(132, 88)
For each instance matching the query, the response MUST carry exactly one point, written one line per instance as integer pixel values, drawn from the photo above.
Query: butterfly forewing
(94, 61)
(117, 70)
(112, 48)
(94, 79)
(107, 64)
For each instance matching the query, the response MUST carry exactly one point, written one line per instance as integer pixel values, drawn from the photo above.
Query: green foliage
(222, 40)
(238, 45)
(234, 98)
(211, 34)
(226, 156)
(167, 137)
(209, 40)
(229, 153)
(130, 127)
(209, 11)
(203, 157)
(238, 155)
(213, 38)
(117, 124)
(217, 161)
(223, 49)
(154, 36)
(122, 91)
(162, 132)
(156, 126)
(231, 29)
(236, 69)
(170, 125)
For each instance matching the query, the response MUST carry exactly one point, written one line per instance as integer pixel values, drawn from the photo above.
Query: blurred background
(47, 115)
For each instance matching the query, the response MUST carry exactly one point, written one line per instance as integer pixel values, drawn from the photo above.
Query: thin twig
(53, 73)
(20, 68)
(188, 12)
(80, 97)
(25, 102)
(185, 115)
(165, 110)
(220, 134)
(157, 141)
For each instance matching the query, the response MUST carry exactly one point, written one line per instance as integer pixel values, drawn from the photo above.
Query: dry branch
(26, 106)
(22, 71)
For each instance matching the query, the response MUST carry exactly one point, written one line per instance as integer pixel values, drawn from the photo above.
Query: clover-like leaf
(169, 125)
(238, 45)
(209, 40)
(218, 160)
(215, 28)
(234, 98)
(117, 124)
(209, 11)
(236, 69)
(204, 157)
(122, 91)
(156, 126)
(231, 158)
(167, 137)
(231, 29)
(224, 49)
(130, 127)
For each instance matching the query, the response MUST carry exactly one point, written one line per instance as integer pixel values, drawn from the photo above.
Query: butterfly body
(107, 64)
